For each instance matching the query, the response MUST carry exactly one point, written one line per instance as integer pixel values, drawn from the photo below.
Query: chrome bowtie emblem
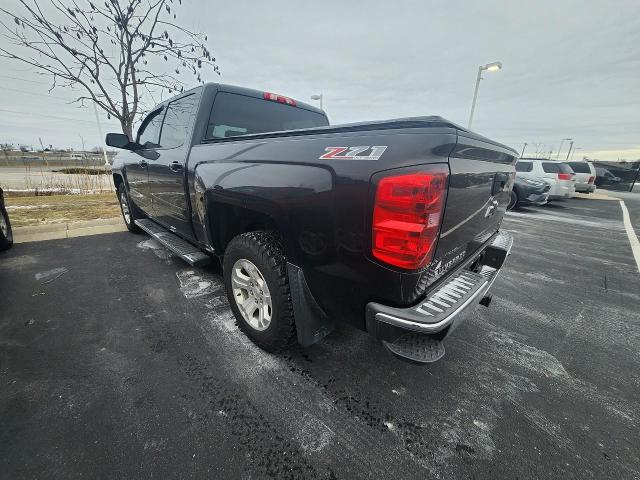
(491, 209)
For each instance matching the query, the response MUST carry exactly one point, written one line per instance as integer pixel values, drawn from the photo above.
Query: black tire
(123, 198)
(264, 250)
(513, 201)
(6, 234)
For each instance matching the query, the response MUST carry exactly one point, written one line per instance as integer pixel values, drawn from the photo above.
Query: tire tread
(267, 245)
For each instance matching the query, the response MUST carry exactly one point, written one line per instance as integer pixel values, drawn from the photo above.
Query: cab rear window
(235, 115)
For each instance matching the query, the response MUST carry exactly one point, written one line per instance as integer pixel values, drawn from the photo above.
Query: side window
(524, 167)
(177, 122)
(550, 167)
(149, 131)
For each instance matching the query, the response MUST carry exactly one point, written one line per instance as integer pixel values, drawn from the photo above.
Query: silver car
(585, 176)
(558, 175)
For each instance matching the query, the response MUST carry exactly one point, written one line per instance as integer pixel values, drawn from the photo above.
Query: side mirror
(119, 140)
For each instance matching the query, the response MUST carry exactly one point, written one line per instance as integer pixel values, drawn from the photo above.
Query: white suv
(585, 176)
(558, 175)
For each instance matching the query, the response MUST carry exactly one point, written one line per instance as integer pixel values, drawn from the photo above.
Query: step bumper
(445, 305)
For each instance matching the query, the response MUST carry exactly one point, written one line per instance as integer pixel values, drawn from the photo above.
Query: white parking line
(570, 219)
(633, 239)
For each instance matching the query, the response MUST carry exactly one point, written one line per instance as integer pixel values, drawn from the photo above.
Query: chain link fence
(53, 159)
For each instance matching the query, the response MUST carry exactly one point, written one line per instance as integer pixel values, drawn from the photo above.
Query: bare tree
(6, 148)
(117, 53)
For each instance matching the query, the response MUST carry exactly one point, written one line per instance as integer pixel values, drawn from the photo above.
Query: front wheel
(128, 211)
(6, 234)
(513, 201)
(255, 278)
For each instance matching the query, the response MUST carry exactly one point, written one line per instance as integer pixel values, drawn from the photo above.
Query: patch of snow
(314, 435)
(157, 248)
(193, 285)
(11, 208)
(50, 275)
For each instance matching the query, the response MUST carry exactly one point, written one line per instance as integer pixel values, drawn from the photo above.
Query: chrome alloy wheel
(125, 208)
(251, 294)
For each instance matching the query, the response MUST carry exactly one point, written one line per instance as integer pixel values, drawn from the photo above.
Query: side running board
(189, 253)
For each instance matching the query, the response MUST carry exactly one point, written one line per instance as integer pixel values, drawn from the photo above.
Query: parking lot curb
(594, 196)
(68, 230)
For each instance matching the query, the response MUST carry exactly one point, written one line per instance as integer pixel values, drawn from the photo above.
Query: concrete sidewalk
(67, 230)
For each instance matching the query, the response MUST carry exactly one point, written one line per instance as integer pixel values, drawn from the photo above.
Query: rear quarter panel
(322, 207)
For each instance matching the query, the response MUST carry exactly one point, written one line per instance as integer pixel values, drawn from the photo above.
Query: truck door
(167, 174)
(137, 167)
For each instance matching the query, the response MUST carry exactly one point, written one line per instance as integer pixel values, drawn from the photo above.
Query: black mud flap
(416, 348)
(312, 324)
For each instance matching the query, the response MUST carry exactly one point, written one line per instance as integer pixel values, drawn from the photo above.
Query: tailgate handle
(499, 182)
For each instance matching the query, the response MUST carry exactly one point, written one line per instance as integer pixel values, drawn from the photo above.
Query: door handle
(175, 166)
(143, 163)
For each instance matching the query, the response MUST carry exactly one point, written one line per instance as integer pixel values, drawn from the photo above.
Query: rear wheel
(513, 201)
(255, 277)
(128, 211)
(6, 234)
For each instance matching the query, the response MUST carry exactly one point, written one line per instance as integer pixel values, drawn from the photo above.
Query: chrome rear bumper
(443, 306)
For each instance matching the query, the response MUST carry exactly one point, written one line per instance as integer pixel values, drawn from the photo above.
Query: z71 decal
(353, 153)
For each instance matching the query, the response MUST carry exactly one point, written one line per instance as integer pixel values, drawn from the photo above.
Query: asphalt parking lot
(117, 360)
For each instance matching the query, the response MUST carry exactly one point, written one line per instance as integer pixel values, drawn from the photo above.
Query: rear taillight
(274, 97)
(564, 176)
(591, 179)
(407, 215)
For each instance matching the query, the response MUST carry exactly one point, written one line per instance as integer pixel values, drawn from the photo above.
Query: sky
(571, 68)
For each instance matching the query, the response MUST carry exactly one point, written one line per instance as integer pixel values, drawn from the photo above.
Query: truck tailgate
(479, 188)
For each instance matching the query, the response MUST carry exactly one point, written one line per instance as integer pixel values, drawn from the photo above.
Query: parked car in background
(6, 235)
(558, 175)
(585, 176)
(528, 191)
(605, 177)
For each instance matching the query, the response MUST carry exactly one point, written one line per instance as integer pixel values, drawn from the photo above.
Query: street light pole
(491, 67)
(475, 96)
(570, 147)
(561, 142)
(523, 147)
(317, 97)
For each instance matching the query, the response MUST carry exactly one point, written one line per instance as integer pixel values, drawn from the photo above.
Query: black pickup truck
(390, 226)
